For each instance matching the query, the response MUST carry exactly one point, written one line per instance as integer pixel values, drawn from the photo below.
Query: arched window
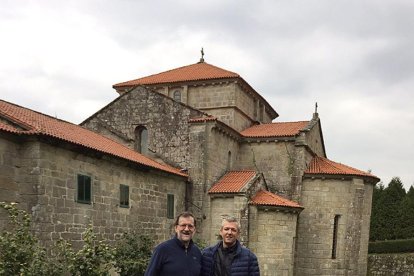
(141, 139)
(177, 96)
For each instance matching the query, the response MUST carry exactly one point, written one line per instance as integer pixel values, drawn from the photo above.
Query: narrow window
(335, 236)
(124, 196)
(141, 139)
(84, 189)
(170, 206)
(255, 109)
(261, 110)
(177, 96)
(229, 160)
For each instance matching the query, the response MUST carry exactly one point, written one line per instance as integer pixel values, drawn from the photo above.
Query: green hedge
(392, 246)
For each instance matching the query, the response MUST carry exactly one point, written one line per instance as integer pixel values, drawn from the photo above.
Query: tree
(377, 219)
(392, 202)
(407, 215)
(387, 211)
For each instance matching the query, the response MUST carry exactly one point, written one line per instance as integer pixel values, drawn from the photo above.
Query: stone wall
(242, 121)
(19, 173)
(198, 160)
(47, 183)
(323, 200)
(391, 264)
(272, 237)
(273, 159)
(223, 207)
(314, 139)
(247, 104)
(165, 120)
(226, 101)
(213, 152)
(9, 170)
(219, 145)
(229, 102)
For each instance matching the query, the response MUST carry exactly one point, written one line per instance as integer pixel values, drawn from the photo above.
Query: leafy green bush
(200, 243)
(132, 254)
(17, 246)
(392, 246)
(95, 258)
(21, 253)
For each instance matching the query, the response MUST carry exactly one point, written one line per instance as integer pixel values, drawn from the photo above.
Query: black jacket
(244, 263)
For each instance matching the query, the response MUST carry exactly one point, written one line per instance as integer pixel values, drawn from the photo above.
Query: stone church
(196, 138)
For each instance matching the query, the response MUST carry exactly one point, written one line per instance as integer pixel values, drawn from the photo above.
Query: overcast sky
(354, 58)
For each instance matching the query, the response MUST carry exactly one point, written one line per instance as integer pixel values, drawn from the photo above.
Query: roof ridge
(176, 69)
(151, 75)
(289, 122)
(37, 112)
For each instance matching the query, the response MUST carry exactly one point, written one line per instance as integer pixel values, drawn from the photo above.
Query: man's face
(229, 233)
(185, 229)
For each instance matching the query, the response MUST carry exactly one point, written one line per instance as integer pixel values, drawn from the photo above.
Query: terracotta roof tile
(193, 72)
(283, 129)
(232, 182)
(39, 124)
(267, 198)
(321, 165)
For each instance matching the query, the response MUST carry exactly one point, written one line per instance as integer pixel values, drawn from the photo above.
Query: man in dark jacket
(229, 257)
(179, 255)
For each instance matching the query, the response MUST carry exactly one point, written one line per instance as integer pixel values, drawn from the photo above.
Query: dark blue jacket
(244, 264)
(171, 258)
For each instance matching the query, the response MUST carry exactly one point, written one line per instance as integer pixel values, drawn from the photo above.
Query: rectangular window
(84, 189)
(335, 236)
(124, 196)
(170, 206)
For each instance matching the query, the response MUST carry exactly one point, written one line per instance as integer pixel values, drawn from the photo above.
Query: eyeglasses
(183, 226)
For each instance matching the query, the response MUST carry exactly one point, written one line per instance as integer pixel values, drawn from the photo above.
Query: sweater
(172, 258)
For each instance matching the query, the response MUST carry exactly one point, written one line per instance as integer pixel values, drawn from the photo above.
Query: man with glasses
(179, 255)
(228, 257)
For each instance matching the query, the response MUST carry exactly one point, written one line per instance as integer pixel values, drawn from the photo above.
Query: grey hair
(231, 219)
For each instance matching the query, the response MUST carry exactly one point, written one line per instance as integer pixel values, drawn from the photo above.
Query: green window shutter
(84, 189)
(123, 195)
(170, 206)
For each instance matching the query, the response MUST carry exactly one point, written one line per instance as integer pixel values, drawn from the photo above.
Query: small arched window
(177, 96)
(141, 139)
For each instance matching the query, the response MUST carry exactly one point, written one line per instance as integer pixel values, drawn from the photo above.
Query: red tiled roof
(193, 72)
(267, 198)
(232, 182)
(283, 129)
(35, 123)
(321, 165)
